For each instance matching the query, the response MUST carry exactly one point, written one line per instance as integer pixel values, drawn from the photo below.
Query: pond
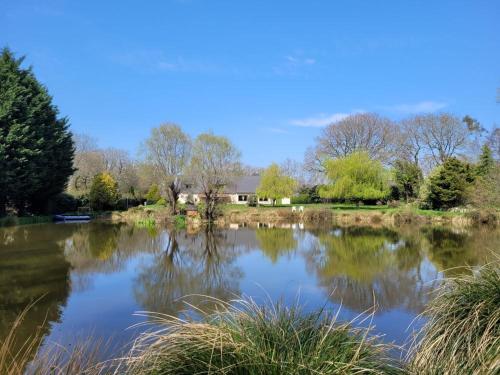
(90, 278)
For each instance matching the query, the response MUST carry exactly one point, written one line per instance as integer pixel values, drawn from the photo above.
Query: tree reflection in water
(276, 242)
(189, 265)
(33, 268)
(364, 267)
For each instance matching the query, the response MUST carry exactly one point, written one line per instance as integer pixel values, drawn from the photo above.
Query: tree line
(437, 160)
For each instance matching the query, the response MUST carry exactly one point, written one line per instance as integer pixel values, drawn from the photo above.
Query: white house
(238, 192)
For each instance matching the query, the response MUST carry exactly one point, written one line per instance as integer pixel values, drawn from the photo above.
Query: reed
(245, 338)
(462, 335)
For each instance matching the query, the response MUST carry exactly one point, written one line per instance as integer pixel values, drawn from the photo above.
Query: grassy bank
(462, 336)
(345, 213)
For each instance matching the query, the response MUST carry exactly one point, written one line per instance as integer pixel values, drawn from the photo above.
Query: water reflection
(196, 265)
(33, 268)
(127, 269)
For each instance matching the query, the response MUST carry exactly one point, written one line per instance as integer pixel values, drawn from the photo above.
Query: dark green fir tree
(36, 148)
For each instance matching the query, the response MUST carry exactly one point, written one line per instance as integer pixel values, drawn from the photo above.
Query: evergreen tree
(36, 148)
(448, 188)
(103, 192)
(486, 162)
(408, 177)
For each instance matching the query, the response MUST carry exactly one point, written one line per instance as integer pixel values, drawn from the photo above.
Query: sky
(268, 74)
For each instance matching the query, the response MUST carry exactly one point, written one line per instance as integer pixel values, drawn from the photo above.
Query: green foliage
(449, 186)
(252, 201)
(463, 332)
(408, 177)
(485, 192)
(161, 202)
(356, 177)
(307, 194)
(36, 148)
(275, 185)
(180, 221)
(486, 162)
(153, 194)
(245, 338)
(103, 192)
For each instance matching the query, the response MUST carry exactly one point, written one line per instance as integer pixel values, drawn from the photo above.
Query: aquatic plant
(462, 335)
(246, 338)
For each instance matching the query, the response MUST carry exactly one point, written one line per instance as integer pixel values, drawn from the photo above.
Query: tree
(103, 192)
(486, 162)
(274, 184)
(88, 162)
(493, 142)
(214, 164)
(36, 148)
(485, 192)
(368, 132)
(448, 188)
(443, 135)
(153, 194)
(356, 177)
(408, 177)
(168, 149)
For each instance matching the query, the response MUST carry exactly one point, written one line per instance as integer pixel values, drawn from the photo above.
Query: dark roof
(243, 184)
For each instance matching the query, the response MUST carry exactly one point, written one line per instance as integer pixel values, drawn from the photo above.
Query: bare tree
(359, 132)
(493, 142)
(214, 163)
(88, 162)
(443, 135)
(168, 149)
(293, 168)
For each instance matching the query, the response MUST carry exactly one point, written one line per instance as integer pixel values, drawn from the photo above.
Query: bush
(301, 199)
(103, 192)
(252, 201)
(161, 202)
(449, 186)
(463, 333)
(153, 194)
(245, 338)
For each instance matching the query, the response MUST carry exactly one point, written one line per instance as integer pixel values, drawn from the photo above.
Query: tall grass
(245, 338)
(27, 357)
(463, 332)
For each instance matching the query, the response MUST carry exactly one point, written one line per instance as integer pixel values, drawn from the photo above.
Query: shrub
(103, 192)
(301, 199)
(153, 194)
(161, 202)
(252, 201)
(448, 188)
(244, 338)
(463, 333)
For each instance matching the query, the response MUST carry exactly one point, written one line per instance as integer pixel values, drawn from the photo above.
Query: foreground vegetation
(461, 336)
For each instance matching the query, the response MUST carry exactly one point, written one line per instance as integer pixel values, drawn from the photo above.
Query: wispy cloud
(277, 130)
(320, 120)
(424, 106)
(293, 63)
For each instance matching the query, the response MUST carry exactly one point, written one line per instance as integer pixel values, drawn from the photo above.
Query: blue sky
(267, 74)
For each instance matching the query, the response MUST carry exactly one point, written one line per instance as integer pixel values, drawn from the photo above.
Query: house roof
(241, 185)
(244, 184)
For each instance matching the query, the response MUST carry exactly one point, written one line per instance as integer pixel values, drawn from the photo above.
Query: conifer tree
(36, 148)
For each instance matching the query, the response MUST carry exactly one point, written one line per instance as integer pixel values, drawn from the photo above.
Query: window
(262, 199)
(242, 198)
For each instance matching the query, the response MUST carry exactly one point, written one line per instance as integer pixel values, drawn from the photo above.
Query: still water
(92, 277)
